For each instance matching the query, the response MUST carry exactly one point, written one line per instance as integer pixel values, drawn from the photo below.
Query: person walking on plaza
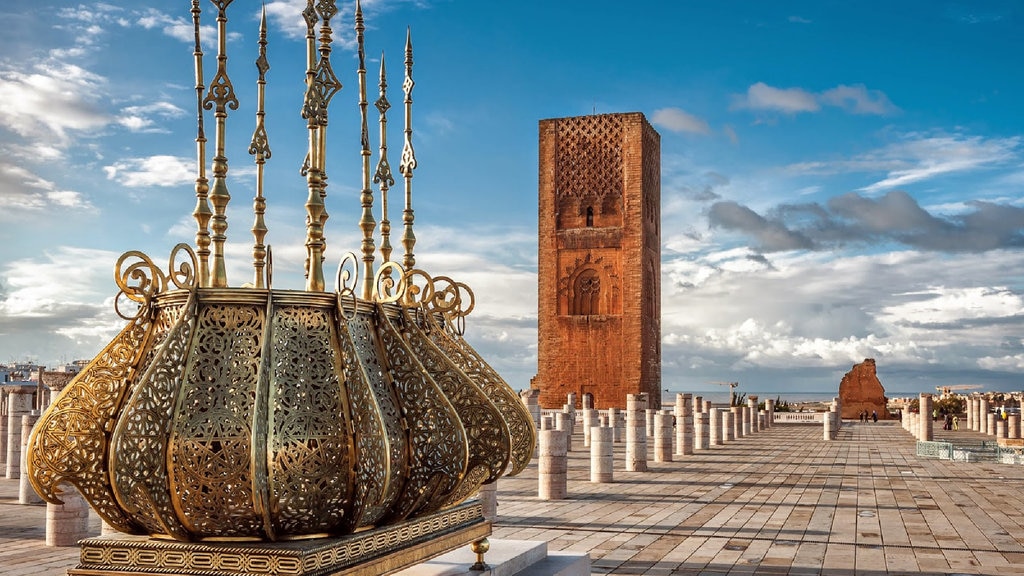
(956, 422)
(874, 416)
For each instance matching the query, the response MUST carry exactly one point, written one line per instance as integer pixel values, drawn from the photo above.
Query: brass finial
(408, 162)
(322, 85)
(220, 97)
(366, 221)
(202, 212)
(260, 148)
(383, 175)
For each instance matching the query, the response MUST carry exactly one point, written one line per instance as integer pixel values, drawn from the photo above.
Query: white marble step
(505, 558)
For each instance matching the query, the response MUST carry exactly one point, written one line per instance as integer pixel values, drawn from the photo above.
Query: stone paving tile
(784, 501)
(777, 502)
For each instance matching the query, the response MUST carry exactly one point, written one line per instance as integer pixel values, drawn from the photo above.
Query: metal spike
(260, 148)
(202, 212)
(408, 161)
(382, 176)
(366, 221)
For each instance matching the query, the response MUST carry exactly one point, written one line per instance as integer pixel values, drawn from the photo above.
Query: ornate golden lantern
(253, 413)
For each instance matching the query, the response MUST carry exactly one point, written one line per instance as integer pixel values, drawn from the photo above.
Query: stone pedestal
(601, 455)
(701, 439)
(769, 409)
(970, 413)
(716, 437)
(829, 423)
(649, 414)
(729, 425)
(489, 500)
(552, 466)
(663, 432)
(684, 425)
(26, 495)
(563, 423)
(1000, 428)
(590, 419)
(636, 433)
(531, 400)
(737, 422)
(927, 432)
(752, 406)
(983, 415)
(19, 403)
(3, 430)
(698, 405)
(1013, 426)
(990, 427)
(67, 523)
(614, 422)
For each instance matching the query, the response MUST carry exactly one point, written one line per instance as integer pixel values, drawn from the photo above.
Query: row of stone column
(66, 523)
(697, 425)
(980, 419)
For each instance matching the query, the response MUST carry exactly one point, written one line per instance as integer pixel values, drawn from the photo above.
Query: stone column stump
(601, 455)
(636, 433)
(552, 466)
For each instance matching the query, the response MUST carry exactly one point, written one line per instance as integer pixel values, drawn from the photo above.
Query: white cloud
(856, 99)
(21, 189)
(922, 158)
(142, 118)
(54, 99)
(678, 120)
(761, 96)
(917, 157)
(159, 170)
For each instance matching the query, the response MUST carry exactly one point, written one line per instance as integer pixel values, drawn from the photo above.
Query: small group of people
(864, 416)
(951, 422)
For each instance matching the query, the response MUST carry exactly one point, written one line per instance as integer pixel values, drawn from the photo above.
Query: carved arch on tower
(590, 287)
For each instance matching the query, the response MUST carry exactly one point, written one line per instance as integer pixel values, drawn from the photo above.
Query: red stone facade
(599, 255)
(861, 390)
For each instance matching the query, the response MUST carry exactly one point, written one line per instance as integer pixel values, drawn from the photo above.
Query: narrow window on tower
(590, 216)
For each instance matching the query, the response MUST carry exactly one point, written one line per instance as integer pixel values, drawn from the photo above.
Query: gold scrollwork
(389, 282)
(345, 283)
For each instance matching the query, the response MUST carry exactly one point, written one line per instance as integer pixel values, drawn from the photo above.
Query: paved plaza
(781, 501)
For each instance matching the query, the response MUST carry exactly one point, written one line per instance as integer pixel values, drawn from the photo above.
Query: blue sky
(839, 180)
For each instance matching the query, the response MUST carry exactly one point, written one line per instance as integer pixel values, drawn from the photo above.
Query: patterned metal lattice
(589, 156)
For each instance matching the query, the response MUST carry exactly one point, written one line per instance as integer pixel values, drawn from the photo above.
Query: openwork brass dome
(257, 413)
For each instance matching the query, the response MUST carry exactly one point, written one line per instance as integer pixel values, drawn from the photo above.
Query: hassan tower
(599, 254)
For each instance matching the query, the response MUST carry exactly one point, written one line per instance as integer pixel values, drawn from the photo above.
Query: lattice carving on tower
(589, 160)
(652, 175)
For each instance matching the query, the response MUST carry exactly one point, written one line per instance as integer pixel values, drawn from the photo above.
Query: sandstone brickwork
(861, 390)
(599, 254)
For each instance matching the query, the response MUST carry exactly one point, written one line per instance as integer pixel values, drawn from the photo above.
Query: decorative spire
(366, 222)
(408, 162)
(220, 97)
(383, 175)
(260, 148)
(322, 85)
(202, 212)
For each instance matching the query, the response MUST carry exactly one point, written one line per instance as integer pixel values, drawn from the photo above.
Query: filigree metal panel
(487, 432)
(437, 439)
(211, 445)
(138, 445)
(365, 340)
(310, 447)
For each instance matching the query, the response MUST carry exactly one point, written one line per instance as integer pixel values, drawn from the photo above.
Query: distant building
(599, 255)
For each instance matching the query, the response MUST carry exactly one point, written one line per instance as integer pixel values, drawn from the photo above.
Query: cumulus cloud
(49, 103)
(22, 190)
(678, 120)
(895, 217)
(144, 118)
(856, 99)
(159, 170)
(761, 96)
(771, 235)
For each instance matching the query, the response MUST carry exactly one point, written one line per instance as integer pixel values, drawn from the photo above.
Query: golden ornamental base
(372, 552)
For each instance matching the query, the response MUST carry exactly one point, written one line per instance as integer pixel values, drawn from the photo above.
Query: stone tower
(599, 272)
